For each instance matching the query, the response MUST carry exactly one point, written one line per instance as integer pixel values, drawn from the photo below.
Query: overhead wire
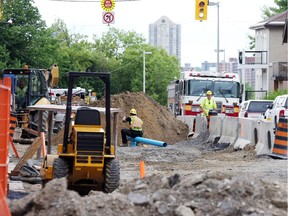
(16, 50)
(129, 63)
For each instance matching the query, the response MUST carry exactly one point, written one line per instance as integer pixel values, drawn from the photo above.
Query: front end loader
(86, 158)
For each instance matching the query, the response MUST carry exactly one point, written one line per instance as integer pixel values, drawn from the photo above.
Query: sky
(198, 39)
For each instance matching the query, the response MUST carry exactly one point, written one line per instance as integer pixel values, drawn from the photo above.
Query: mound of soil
(159, 123)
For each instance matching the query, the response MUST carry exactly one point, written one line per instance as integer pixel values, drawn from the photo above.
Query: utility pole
(144, 70)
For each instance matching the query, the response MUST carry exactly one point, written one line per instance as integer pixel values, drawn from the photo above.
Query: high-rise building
(166, 34)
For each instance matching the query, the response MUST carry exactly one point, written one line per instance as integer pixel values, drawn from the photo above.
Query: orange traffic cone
(280, 148)
(4, 209)
(142, 169)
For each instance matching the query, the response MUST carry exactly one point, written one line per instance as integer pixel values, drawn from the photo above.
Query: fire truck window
(227, 89)
(199, 87)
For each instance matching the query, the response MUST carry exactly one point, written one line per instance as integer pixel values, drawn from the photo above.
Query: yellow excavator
(86, 158)
(30, 87)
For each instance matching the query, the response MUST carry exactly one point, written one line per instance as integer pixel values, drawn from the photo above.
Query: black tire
(57, 127)
(35, 120)
(112, 176)
(60, 168)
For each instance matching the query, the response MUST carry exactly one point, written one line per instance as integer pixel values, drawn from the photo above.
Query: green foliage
(272, 95)
(29, 41)
(251, 42)
(26, 37)
(249, 89)
(281, 6)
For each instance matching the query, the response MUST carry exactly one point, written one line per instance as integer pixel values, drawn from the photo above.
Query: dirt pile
(159, 123)
(204, 194)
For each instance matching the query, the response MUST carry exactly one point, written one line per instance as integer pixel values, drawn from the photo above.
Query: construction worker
(135, 129)
(21, 89)
(21, 94)
(208, 104)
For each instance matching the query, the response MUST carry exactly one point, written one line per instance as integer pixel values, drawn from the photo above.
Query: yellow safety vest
(21, 92)
(136, 123)
(208, 105)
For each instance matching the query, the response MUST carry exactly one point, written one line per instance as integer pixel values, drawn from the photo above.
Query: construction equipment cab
(29, 87)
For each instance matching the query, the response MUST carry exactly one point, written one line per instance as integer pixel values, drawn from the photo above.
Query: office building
(166, 34)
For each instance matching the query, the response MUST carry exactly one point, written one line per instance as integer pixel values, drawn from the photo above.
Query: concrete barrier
(190, 121)
(215, 129)
(265, 138)
(238, 132)
(230, 130)
(201, 125)
(248, 128)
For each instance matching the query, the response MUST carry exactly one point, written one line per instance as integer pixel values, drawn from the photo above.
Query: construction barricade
(215, 131)
(265, 138)
(200, 125)
(230, 130)
(280, 147)
(248, 133)
(5, 96)
(190, 121)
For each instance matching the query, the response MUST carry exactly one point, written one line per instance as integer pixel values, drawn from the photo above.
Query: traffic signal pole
(218, 34)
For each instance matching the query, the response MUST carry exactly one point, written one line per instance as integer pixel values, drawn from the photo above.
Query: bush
(272, 95)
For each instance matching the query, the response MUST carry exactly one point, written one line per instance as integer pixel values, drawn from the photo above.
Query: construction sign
(108, 5)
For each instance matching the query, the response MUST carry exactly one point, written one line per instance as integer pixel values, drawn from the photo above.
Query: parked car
(254, 108)
(277, 109)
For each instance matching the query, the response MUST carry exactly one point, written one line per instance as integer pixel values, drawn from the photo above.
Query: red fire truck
(186, 94)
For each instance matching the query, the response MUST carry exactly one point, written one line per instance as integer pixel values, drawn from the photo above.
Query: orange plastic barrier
(4, 209)
(5, 95)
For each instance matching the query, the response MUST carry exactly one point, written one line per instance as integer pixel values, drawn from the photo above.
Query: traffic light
(201, 9)
(240, 57)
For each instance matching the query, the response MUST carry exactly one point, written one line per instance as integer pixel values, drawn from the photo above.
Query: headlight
(195, 109)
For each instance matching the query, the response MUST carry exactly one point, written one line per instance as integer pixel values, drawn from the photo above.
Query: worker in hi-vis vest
(208, 104)
(135, 129)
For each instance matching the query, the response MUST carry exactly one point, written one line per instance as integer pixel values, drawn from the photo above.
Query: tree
(27, 40)
(114, 42)
(281, 6)
(30, 41)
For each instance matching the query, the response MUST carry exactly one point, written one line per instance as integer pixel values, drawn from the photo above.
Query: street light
(222, 50)
(216, 4)
(144, 64)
